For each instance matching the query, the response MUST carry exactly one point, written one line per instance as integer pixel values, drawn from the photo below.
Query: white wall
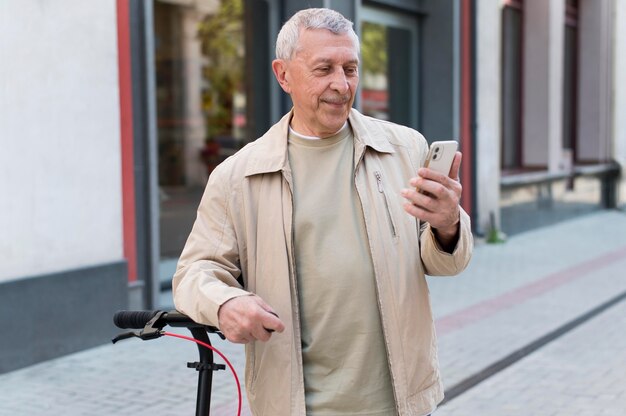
(60, 175)
(488, 25)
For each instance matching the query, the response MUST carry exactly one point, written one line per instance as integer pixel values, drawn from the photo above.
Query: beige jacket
(241, 242)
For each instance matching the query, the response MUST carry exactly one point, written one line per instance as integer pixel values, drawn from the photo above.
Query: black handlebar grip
(133, 319)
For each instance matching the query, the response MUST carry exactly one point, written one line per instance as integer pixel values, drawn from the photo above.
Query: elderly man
(311, 244)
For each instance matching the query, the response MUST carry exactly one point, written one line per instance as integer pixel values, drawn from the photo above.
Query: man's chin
(338, 113)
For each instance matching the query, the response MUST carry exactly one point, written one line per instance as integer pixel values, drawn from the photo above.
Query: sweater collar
(270, 153)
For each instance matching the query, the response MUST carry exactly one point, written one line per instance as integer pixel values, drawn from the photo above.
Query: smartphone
(440, 156)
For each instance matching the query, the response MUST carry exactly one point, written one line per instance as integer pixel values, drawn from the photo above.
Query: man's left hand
(435, 199)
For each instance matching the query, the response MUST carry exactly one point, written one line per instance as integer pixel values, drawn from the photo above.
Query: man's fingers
(248, 318)
(273, 323)
(455, 169)
(264, 324)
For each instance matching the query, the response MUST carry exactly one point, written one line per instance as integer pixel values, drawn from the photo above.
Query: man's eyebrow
(330, 61)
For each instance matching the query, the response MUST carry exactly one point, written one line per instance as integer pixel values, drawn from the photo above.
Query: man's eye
(351, 71)
(323, 69)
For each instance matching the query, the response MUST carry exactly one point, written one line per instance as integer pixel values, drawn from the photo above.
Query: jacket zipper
(379, 181)
(378, 176)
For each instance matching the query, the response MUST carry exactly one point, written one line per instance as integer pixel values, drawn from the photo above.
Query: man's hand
(248, 318)
(437, 202)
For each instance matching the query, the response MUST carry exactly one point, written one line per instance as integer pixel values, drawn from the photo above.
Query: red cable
(232, 369)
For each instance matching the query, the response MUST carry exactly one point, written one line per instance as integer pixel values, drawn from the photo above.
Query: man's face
(322, 79)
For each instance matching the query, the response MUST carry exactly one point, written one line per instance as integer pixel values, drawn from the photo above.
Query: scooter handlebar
(139, 319)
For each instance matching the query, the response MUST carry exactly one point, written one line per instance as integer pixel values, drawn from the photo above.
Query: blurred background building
(114, 113)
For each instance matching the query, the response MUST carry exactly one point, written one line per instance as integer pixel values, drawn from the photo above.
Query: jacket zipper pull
(379, 182)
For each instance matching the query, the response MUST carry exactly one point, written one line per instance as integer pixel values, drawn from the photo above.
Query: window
(570, 77)
(512, 31)
(201, 106)
(388, 74)
(374, 93)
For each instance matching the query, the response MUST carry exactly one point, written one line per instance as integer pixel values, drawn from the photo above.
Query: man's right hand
(248, 318)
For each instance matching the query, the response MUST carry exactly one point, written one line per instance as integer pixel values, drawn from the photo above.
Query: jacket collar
(270, 150)
(368, 134)
(270, 153)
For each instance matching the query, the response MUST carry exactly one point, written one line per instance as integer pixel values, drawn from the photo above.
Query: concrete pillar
(488, 76)
(619, 83)
(544, 23)
(594, 121)
(619, 93)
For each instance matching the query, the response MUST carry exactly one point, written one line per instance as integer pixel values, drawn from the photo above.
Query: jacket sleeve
(208, 268)
(435, 260)
(440, 263)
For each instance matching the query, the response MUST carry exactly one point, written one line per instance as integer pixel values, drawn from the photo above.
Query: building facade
(62, 263)
(549, 108)
(114, 113)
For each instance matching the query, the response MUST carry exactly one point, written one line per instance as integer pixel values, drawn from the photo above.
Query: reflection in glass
(223, 96)
(201, 101)
(374, 80)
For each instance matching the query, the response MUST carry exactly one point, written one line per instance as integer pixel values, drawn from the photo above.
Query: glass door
(201, 108)
(389, 73)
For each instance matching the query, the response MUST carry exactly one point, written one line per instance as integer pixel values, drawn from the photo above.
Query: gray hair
(328, 19)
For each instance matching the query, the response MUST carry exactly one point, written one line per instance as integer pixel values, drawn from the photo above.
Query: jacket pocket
(381, 190)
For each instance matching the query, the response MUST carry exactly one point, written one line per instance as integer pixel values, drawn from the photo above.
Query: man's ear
(279, 67)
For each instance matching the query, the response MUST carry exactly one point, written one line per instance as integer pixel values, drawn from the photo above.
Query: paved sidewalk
(583, 373)
(514, 293)
(511, 295)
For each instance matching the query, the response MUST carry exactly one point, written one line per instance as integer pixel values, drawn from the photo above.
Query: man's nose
(339, 82)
